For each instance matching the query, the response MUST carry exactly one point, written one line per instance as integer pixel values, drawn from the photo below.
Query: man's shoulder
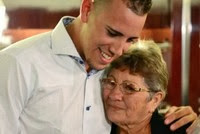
(28, 46)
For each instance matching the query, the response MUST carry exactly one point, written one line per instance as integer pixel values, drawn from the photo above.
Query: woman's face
(123, 108)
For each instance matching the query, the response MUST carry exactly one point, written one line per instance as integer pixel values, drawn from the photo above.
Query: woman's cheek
(106, 94)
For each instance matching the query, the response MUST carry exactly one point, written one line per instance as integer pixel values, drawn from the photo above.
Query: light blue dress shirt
(45, 89)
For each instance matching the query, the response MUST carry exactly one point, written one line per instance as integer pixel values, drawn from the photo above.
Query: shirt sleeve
(13, 94)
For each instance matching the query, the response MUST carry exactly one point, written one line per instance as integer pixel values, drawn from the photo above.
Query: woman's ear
(85, 9)
(156, 100)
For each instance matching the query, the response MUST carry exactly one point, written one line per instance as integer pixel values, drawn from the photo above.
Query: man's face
(108, 33)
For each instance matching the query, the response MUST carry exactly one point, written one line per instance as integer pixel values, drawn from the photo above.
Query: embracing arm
(180, 116)
(195, 127)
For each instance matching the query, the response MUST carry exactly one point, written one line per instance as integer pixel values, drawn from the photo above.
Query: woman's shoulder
(113, 129)
(158, 126)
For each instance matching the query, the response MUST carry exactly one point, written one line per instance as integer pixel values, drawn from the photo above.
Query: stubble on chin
(92, 65)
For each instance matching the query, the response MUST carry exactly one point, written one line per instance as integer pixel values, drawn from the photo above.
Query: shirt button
(88, 108)
(81, 62)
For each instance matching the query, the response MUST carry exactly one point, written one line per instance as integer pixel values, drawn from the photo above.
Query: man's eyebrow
(114, 31)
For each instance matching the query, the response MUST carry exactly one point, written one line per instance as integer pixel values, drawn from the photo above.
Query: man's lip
(105, 60)
(108, 54)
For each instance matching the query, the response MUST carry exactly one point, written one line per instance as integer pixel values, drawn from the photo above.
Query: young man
(50, 83)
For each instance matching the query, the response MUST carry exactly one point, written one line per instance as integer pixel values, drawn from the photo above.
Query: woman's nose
(116, 94)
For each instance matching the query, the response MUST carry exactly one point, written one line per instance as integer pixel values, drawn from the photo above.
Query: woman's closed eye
(129, 88)
(112, 82)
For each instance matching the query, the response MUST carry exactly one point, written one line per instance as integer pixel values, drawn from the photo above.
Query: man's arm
(195, 127)
(183, 115)
(12, 94)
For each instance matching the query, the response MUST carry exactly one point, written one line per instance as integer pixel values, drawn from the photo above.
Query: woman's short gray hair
(144, 58)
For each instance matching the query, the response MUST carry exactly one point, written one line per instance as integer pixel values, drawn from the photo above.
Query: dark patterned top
(158, 126)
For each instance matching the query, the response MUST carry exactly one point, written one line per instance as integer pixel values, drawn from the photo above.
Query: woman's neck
(135, 130)
(142, 127)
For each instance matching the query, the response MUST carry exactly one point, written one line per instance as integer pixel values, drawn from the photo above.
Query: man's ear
(85, 9)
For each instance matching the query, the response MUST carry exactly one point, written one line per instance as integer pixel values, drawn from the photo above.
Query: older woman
(133, 88)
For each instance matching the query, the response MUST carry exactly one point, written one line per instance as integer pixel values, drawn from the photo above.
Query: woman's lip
(115, 106)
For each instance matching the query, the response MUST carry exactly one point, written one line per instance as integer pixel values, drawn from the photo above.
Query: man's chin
(98, 67)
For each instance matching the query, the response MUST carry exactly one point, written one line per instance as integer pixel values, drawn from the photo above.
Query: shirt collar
(61, 41)
(63, 44)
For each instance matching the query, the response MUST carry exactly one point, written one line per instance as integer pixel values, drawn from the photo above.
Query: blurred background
(173, 24)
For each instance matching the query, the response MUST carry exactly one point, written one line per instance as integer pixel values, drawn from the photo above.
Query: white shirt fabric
(45, 89)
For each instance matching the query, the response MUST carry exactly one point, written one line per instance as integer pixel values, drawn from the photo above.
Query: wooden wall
(41, 18)
(174, 90)
(194, 87)
(36, 18)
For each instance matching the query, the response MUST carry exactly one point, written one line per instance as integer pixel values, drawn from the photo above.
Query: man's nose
(118, 47)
